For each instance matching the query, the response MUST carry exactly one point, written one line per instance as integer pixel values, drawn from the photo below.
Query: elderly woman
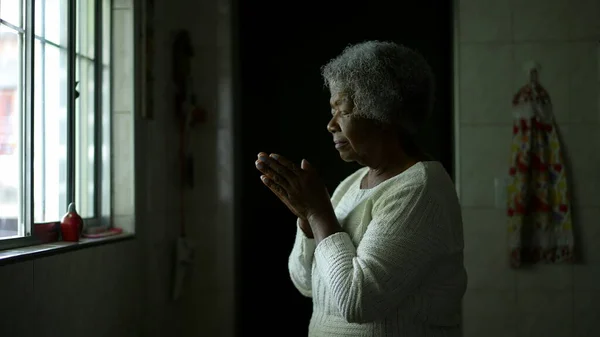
(383, 256)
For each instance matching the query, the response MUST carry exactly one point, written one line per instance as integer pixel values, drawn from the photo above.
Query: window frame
(102, 205)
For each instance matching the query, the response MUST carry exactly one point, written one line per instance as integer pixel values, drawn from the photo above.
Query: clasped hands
(298, 187)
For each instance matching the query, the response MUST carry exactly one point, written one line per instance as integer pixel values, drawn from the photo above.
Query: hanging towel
(539, 211)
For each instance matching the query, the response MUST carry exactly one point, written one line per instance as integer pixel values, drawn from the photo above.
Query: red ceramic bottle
(71, 225)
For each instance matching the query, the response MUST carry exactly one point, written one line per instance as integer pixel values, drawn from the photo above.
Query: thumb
(305, 165)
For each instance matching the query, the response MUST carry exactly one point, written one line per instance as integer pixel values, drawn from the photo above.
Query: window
(54, 113)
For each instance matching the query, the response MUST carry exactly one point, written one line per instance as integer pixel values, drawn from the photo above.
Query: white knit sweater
(397, 268)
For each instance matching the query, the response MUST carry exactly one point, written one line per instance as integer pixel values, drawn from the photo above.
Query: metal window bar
(105, 190)
(43, 105)
(71, 61)
(43, 40)
(98, 32)
(29, 94)
(10, 25)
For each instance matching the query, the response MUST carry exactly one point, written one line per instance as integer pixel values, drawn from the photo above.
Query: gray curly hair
(387, 82)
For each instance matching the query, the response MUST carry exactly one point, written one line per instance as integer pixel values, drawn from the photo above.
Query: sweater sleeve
(394, 256)
(301, 258)
(300, 263)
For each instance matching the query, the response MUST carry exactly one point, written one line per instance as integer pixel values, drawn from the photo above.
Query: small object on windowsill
(71, 225)
(102, 233)
(47, 232)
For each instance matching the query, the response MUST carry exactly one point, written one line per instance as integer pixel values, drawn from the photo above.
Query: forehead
(339, 98)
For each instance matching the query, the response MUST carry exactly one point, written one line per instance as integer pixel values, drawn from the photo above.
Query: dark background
(284, 108)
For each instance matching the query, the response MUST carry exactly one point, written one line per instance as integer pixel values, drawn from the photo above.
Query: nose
(333, 125)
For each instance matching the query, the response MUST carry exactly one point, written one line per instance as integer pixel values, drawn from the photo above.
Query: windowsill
(32, 252)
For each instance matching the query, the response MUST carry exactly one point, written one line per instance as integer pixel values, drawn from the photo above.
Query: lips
(340, 143)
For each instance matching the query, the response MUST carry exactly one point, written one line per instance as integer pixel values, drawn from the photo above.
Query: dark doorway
(284, 108)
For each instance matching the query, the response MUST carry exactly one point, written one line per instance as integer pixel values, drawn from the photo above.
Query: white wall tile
(586, 314)
(489, 313)
(223, 313)
(490, 326)
(587, 226)
(485, 302)
(555, 62)
(210, 324)
(484, 156)
(598, 86)
(225, 165)
(485, 233)
(499, 277)
(224, 27)
(586, 276)
(583, 85)
(485, 83)
(205, 195)
(581, 143)
(125, 222)
(583, 20)
(206, 65)
(545, 313)
(545, 277)
(484, 21)
(540, 20)
(163, 168)
(123, 44)
(158, 274)
(123, 170)
(556, 324)
(225, 94)
(598, 64)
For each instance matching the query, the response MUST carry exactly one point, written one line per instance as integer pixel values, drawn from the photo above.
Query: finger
(279, 191)
(272, 174)
(285, 162)
(279, 195)
(278, 168)
(305, 165)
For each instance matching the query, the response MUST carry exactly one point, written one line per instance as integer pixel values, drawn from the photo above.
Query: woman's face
(355, 138)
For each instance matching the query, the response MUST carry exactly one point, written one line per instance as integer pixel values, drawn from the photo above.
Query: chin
(347, 157)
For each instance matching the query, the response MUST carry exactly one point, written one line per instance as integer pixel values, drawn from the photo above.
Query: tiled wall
(123, 289)
(123, 98)
(494, 39)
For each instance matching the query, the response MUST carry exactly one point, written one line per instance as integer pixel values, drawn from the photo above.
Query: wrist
(323, 224)
(304, 226)
(320, 217)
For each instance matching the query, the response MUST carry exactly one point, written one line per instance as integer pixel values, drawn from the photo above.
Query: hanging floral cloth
(539, 211)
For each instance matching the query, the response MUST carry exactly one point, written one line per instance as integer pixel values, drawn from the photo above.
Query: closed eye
(342, 112)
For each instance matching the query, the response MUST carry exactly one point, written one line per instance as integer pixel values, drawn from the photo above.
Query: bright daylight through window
(54, 113)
